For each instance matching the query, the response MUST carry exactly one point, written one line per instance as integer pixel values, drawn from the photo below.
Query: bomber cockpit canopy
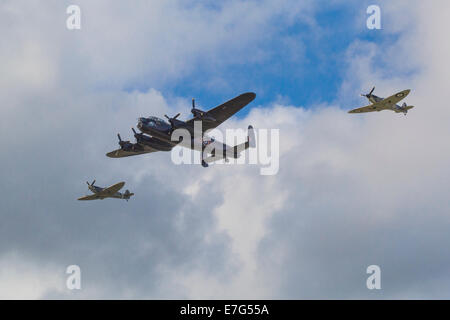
(156, 122)
(156, 119)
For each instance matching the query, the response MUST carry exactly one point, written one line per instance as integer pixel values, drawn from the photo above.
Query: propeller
(195, 111)
(369, 94)
(125, 145)
(201, 115)
(137, 136)
(171, 120)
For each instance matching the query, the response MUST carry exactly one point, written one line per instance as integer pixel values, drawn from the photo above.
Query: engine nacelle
(202, 115)
(197, 112)
(126, 145)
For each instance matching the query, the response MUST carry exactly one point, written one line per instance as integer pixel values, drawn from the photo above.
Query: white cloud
(351, 190)
(22, 278)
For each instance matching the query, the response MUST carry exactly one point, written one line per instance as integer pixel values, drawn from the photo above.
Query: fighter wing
(91, 197)
(111, 190)
(369, 108)
(225, 111)
(391, 101)
(120, 153)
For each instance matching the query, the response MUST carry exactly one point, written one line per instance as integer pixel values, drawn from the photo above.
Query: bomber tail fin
(235, 151)
(250, 143)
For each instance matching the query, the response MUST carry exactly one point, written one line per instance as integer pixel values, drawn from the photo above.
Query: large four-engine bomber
(156, 134)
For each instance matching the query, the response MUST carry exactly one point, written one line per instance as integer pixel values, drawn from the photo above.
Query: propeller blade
(193, 103)
(93, 182)
(88, 183)
(171, 120)
(134, 131)
(368, 94)
(118, 136)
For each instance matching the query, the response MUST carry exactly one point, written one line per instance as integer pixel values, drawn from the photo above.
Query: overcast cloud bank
(351, 190)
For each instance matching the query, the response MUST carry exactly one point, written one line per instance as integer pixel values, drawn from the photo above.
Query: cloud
(62, 104)
(351, 190)
(24, 279)
(355, 191)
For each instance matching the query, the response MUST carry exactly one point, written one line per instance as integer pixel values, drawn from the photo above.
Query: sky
(351, 190)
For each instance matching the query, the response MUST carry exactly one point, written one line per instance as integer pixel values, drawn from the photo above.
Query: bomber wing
(225, 111)
(120, 153)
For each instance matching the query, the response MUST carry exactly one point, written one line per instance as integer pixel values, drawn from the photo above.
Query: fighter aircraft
(156, 133)
(390, 103)
(110, 192)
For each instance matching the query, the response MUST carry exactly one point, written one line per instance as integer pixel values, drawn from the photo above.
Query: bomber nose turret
(141, 122)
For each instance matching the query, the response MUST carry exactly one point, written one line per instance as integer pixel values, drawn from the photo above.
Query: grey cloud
(350, 191)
